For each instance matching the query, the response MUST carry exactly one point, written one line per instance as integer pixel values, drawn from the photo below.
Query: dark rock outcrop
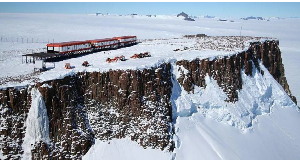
(186, 17)
(80, 108)
(189, 19)
(227, 70)
(132, 102)
(14, 106)
(251, 17)
(69, 128)
(183, 15)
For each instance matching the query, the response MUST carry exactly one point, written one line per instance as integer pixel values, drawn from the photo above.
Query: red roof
(101, 40)
(124, 37)
(66, 43)
(88, 41)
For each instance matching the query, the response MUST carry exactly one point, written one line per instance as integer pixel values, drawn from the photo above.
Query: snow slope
(261, 125)
(275, 136)
(123, 149)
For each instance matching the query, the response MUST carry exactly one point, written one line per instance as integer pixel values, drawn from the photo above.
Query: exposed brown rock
(15, 105)
(227, 70)
(129, 103)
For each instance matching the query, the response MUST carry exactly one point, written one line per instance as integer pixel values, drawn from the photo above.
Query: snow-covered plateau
(262, 123)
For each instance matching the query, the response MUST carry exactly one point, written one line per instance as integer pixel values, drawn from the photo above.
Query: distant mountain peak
(183, 15)
(186, 16)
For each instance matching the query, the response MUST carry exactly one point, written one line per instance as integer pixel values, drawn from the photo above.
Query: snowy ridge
(37, 124)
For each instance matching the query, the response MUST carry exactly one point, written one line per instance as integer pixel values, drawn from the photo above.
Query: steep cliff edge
(123, 103)
(14, 107)
(227, 70)
(80, 108)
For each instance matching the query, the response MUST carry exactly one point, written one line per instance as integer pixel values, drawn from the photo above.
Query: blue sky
(222, 9)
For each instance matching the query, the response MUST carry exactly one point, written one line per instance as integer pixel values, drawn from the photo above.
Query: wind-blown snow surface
(263, 124)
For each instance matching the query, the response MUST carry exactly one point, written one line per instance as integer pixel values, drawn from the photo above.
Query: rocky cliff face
(227, 70)
(118, 103)
(131, 103)
(114, 104)
(14, 106)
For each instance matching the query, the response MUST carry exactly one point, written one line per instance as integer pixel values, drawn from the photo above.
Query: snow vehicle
(68, 66)
(147, 54)
(141, 55)
(85, 63)
(121, 58)
(135, 56)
